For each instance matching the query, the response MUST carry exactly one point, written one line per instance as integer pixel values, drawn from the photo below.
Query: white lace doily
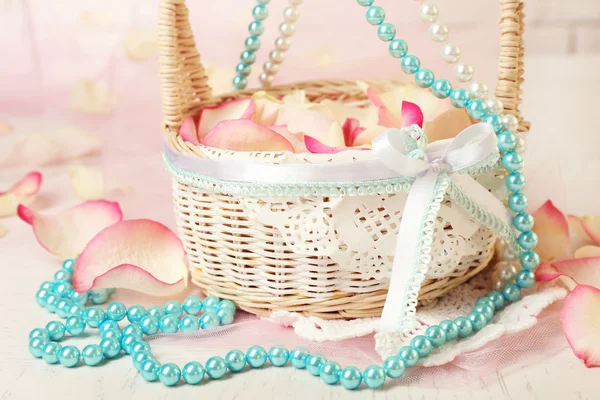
(460, 301)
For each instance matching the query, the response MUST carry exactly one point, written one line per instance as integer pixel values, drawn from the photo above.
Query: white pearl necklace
(287, 29)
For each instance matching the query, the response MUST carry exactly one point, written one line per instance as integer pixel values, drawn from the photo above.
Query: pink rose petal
(591, 226)
(140, 255)
(388, 119)
(552, 229)
(296, 139)
(580, 320)
(411, 114)
(246, 135)
(578, 232)
(316, 147)
(351, 129)
(65, 234)
(587, 251)
(375, 98)
(447, 125)
(585, 271)
(365, 138)
(546, 272)
(188, 131)
(310, 122)
(22, 192)
(229, 110)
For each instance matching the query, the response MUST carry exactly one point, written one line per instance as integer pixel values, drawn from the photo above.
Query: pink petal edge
(352, 130)
(140, 255)
(411, 114)
(584, 271)
(188, 131)
(580, 320)
(246, 135)
(552, 228)
(23, 191)
(235, 109)
(316, 147)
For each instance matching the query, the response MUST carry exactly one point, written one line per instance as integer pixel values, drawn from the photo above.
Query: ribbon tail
(405, 284)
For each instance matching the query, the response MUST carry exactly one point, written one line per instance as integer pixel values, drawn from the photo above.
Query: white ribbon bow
(443, 158)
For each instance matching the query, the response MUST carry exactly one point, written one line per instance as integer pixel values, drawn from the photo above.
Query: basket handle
(184, 83)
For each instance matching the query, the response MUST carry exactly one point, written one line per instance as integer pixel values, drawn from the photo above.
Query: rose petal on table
(22, 192)
(411, 114)
(584, 271)
(365, 138)
(447, 125)
(580, 320)
(141, 44)
(140, 255)
(6, 128)
(87, 182)
(587, 251)
(92, 96)
(316, 147)
(189, 132)
(552, 228)
(66, 233)
(295, 139)
(229, 110)
(267, 108)
(351, 129)
(577, 232)
(245, 135)
(591, 226)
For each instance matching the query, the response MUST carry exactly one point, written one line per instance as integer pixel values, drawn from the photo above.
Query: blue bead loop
(477, 319)
(235, 360)
(69, 356)
(298, 357)
(529, 260)
(260, 12)
(511, 292)
(517, 202)
(239, 82)
(495, 121)
(256, 356)
(374, 376)
(365, 3)
(512, 161)
(313, 363)
(450, 328)
(496, 298)
(410, 64)
(92, 355)
(193, 373)
(69, 265)
(351, 378)
(136, 313)
(248, 57)
(386, 31)
(169, 324)
(460, 98)
(216, 367)
(278, 356)
(149, 370)
(424, 78)
(252, 43)
(465, 327)
(111, 347)
(515, 182)
(329, 372)
(209, 320)
(422, 345)
(523, 222)
(398, 48)
(528, 240)
(525, 279)
(436, 335)
(169, 374)
(394, 367)
(409, 355)
(477, 109)
(256, 28)
(507, 141)
(36, 346)
(375, 15)
(485, 310)
(192, 305)
(149, 325)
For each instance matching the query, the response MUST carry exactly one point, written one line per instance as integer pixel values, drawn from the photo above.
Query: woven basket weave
(234, 255)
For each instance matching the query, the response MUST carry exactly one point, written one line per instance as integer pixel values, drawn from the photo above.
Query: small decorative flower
(415, 141)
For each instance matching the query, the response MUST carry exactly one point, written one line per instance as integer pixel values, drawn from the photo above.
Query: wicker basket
(253, 261)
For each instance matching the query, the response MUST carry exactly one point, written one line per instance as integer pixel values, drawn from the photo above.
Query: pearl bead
(409, 355)
(252, 43)
(365, 3)
(422, 345)
(282, 44)
(277, 56)
(459, 98)
(511, 123)
(39, 332)
(511, 292)
(398, 48)
(69, 356)
(99, 296)
(374, 376)
(515, 182)
(149, 325)
(192, 305)
(329, 372)
(512, 161)
(528, 240)
(112, 334)
(505, 271)
(216, 367)
(111, 347)
(260, 12)
(424, 78)
(450, 53)
(36, 346)
(441, 88)
(225, 316)
(236, 360)
(521, 146)
(133, 330)
(529, 260)
(209, 320)
(463, 72)
(243, 69)
(265, 79)
(523, 222)
(496, 298)
(438, 32)
(410, 64)
(189, 323)
(193, 373)
(517, 202)
(394, 367)
(173, 307)
(248, 57)
(116, 311)
(93, 316)
(139, 358)
(465, 327)
(69, 265)
(350, 377)
(109, 325)
(525, 279)
(291, 14)
(40, 296)
(386, 32)
(485, 310)
(169, 374)
(256, 356)
(450, 328)
(62, 275)
(226, 305)
(375, 15)
(168, 324)
(278, 356)
(428, 12)
(149, 370)
(495, 106)
(62, 288)
(477, 320)
(270, 68)
(79, 298)
(287, 29)
(298, 357)
(51, 300)
(436, 335)
(313, 363)
(92, 355)
(507, 141)
(494, 121)
(75, 310)
(478, 90)
(256, 28)
(477, 109)
(239, 82)
(62, 307)
(139, 346)
(136, 313)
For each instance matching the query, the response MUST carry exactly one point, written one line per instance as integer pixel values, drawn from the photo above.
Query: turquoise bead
(75, 325)
(496, 298)
(79, 298)
(149, 325)
(256, 356)
(39, 332)
(256, 28)
(211, 303)
(248, 57)
(156, 312)
(515, 182)
(192, 305)
(394, 367)
(236, 360)
(477, 319)
(410, 64)
(62, 275)
(374, 376)
(477, 109)
(424, 78)
(239, 82)
(48, 285)
(465, 327)
(36, 346)
(92, 355)
(252, 43)
(495, 122)
(111, 347)
(149, 370)
(525, 279)
(62, 288)
(169, 374)
(365, 3)
(136, 313)
(109, 325)
(216, 367)
(260, 12)
(75, 310)
(169, 324)
(69, 356)
(329, 372)
(523, 221)
(298, 357)
(138, 346)
(512, 161)
(225, 316)
(517, 202)
(127, 341)
(409, 355)
(139, 358)
(450, 328)
(189, 323)
(529, 260)
(441, 88)
(460, 98)
(116, 311)
(436, 335)
(422, 345)
(133, 330)
(528, 240)
(93, 316)
(485, 310)
(173, 307)
(507, 141)
(226, 305)
(350, 377)
(278, 356)
(486, 302)
(193, 373)
(99, 296)
(375, 15)
(56, 330)
(68, 265)
(398, 48)
(112, 334)
(313, 363)
(386, 31)
(51, 301)
(263, 1)
(511, 292)
(209, 320)
(41, 295)
(62, 308)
